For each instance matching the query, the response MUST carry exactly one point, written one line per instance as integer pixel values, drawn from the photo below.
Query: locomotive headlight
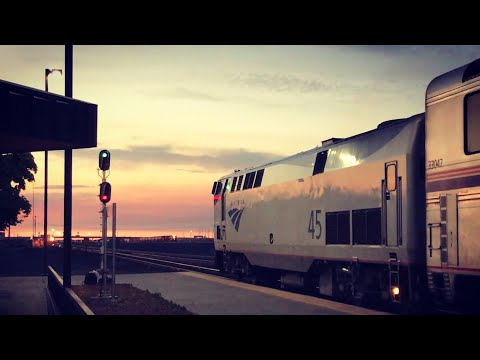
(395, 290)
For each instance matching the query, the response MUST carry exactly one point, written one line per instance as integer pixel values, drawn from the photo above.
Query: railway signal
(104, 160)
(104, 196)
(105, 192)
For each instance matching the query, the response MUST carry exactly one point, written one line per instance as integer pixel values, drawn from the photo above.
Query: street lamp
(45, 205)
(48, 72)
(33, 209)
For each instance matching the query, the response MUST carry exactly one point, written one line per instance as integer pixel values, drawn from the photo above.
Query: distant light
(395, 291)
(104, 154)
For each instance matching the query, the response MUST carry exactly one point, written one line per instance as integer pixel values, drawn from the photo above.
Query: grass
(130, 301)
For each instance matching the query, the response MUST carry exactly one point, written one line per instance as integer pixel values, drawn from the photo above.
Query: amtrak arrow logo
(235, 215)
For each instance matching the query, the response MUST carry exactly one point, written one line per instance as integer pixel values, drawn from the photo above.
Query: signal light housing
(104, 160)
(105, 192)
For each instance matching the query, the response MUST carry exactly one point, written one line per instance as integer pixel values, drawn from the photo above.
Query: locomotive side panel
(284, 225)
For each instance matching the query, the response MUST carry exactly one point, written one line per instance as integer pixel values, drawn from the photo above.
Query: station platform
(199, 293)
(212, 295)
(23, 295)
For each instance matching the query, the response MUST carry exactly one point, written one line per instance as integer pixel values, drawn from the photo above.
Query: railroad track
(197, 263)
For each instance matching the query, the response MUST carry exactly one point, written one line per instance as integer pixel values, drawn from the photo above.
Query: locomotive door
(223, 210)
(392, 205)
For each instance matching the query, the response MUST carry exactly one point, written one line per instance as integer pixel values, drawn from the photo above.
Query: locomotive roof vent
(331, 141)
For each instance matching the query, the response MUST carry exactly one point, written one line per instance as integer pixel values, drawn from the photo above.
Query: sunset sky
(176, 118)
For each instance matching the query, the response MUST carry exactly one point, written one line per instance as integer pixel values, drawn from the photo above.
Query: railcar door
(392, 205)
(442, 235)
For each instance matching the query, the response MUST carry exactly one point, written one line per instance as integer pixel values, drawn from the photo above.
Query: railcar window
(472, 124)
(366, 226)
(213, 188)
(234, 183)
(239, 185)
(338, 227)
(258, 178)
(320, 162)
(226, 187)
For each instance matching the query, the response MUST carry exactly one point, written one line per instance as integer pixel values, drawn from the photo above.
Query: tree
(15, 170)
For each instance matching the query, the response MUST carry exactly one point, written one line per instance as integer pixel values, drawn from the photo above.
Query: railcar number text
(433, 164)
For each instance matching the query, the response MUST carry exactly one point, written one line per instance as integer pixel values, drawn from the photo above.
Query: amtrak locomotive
(391, 215)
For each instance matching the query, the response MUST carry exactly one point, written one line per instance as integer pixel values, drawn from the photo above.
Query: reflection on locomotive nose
(348, 160)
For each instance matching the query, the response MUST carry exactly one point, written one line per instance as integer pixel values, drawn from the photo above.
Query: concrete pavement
(211, 295)
(23, 295)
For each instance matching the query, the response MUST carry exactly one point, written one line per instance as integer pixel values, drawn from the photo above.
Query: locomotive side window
(248, 180)
(226, 187)
(472, 123)
(218, 189)
(239, 185)
(234, 183)
(213, 188)
(251, 181)
(320, 162)
(391, 176)
(258, 178)
(338, 227)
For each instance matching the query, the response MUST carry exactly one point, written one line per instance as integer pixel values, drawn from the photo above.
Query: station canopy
(34, 120)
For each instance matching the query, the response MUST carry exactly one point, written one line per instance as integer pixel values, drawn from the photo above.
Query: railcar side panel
(453, 186)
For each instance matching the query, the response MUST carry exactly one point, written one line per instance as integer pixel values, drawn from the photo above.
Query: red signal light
(105, 192)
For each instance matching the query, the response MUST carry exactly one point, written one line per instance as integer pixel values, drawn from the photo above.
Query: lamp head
(49, 71)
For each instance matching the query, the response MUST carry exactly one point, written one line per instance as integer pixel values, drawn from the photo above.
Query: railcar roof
(454, 79)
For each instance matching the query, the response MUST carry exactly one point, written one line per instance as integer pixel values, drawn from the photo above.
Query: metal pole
(67, 201)
(45, 203)
(33, 209)
(104, 242)
(45, 195)
(114, 246)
